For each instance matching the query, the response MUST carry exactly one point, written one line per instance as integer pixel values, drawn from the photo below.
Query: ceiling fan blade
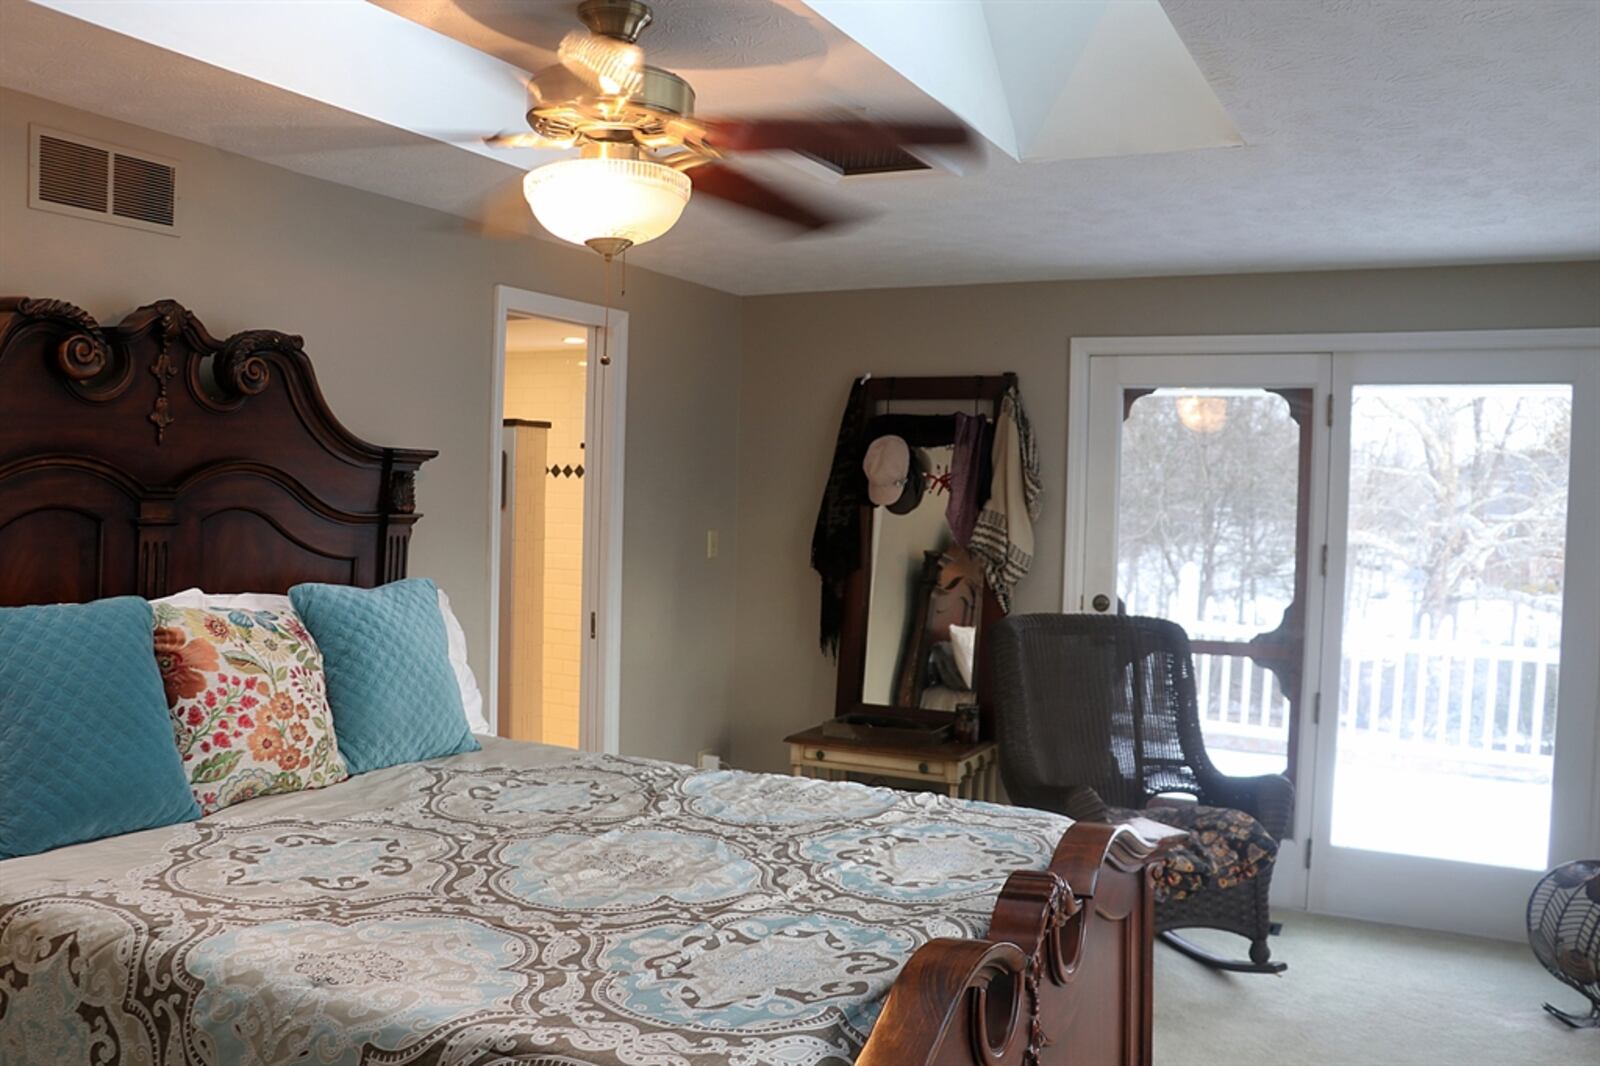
(726, 184)
(305, 137)
(825, 137)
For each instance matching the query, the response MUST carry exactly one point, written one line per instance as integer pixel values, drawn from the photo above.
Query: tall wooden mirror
(911, 644)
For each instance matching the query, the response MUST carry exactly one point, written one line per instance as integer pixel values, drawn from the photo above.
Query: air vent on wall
(76, 176)
(885, 161)
(143, 189)
(73, 175)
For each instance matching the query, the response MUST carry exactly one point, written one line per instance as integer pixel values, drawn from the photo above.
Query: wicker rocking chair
(1097, 717)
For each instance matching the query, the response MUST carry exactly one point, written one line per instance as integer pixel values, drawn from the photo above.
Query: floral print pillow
(247, 696)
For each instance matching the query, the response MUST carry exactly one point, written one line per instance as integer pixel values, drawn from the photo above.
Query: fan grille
(1564, 928)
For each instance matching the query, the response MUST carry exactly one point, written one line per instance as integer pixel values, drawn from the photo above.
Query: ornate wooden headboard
(148, 457)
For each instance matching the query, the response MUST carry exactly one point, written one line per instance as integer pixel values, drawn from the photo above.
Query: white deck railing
(1240, 700)
(1463, 701)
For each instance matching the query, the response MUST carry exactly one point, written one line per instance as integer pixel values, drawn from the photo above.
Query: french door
(1205, 500)
(1461, 636)
(1388, 566)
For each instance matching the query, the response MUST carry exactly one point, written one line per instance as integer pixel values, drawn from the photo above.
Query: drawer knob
(821, 755)
(922, 767)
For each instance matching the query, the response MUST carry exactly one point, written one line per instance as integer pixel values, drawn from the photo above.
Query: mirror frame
(958, 390)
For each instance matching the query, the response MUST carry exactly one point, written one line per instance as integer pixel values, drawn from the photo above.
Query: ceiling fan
(643, 150)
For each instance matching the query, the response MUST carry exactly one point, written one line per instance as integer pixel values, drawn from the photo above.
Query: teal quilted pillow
(86, 745)
(393, 693)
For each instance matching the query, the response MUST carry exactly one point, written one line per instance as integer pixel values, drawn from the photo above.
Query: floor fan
(1564, 930)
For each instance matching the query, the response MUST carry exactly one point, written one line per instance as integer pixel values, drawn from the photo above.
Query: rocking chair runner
(1097, 716)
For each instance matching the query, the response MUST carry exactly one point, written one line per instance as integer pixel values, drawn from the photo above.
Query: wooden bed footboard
(1063, 978)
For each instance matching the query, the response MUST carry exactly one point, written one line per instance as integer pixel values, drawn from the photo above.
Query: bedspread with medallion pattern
(519, 904)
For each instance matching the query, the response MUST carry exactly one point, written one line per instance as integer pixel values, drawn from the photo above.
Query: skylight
(1048, 81)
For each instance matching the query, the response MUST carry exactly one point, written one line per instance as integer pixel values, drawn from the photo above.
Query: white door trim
(600, 715)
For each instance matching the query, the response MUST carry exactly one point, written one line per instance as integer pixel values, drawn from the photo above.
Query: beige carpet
(1357, 993)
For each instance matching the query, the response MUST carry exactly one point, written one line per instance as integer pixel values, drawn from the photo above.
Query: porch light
(1202, 414)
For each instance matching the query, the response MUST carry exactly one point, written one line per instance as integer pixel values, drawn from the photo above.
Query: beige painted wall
(396, 303)
(803, 350)
(724, 427)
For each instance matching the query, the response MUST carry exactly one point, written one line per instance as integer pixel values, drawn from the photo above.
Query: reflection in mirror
(924, 603)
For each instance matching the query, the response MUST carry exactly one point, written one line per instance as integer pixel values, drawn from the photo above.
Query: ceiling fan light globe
(585, 200)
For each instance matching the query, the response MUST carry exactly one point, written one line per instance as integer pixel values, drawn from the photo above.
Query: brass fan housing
(663, 93)
(563, 108)
(622, 19)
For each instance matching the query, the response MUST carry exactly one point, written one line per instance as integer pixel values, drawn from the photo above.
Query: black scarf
(836, 540)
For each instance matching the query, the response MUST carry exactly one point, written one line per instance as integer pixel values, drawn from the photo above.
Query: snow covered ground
(1388, 799)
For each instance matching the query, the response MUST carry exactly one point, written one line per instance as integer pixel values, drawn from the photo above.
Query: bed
(517, 904)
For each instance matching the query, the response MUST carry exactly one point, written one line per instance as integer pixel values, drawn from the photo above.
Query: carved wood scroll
(1064, 976)
(150, 456)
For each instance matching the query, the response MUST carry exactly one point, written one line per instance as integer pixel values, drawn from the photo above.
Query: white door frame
(600, 716)
(1296, 887)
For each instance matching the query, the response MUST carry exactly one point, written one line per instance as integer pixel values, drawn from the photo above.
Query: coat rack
(956, 390)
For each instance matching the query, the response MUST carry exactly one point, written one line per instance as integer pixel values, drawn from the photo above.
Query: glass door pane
(1211, 533)
(1450, 655)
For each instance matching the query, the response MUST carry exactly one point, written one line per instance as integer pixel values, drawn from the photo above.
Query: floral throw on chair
(1224, 848)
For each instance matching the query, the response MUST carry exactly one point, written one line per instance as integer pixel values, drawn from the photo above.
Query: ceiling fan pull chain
(605, 329)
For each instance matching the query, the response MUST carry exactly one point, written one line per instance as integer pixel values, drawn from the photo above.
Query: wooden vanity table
(966, 771)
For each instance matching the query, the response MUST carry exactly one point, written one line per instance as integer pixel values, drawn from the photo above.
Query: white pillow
(248, 601)
(962, 639)
(471, 698)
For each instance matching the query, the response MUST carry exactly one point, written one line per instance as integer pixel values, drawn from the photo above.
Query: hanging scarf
(1003, 537)
(1028, 452)
(836, 538)
(966, 488)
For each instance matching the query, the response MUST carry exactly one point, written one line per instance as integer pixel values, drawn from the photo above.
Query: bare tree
(1464, 496)
(1220, 503)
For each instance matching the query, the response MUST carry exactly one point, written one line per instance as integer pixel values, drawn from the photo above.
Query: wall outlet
(712, 547)
(708, 760)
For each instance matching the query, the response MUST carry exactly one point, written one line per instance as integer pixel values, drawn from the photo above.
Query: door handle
(1101, 602)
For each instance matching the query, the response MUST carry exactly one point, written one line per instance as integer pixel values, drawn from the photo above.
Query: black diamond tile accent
(566, 471)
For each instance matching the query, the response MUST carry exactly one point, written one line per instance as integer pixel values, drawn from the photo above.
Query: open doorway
(544, 413)
(555, 554)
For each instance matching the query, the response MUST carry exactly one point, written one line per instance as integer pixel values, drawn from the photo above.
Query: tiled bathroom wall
(550, 386)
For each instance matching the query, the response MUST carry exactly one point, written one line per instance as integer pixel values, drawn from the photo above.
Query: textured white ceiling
(1378, 133)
